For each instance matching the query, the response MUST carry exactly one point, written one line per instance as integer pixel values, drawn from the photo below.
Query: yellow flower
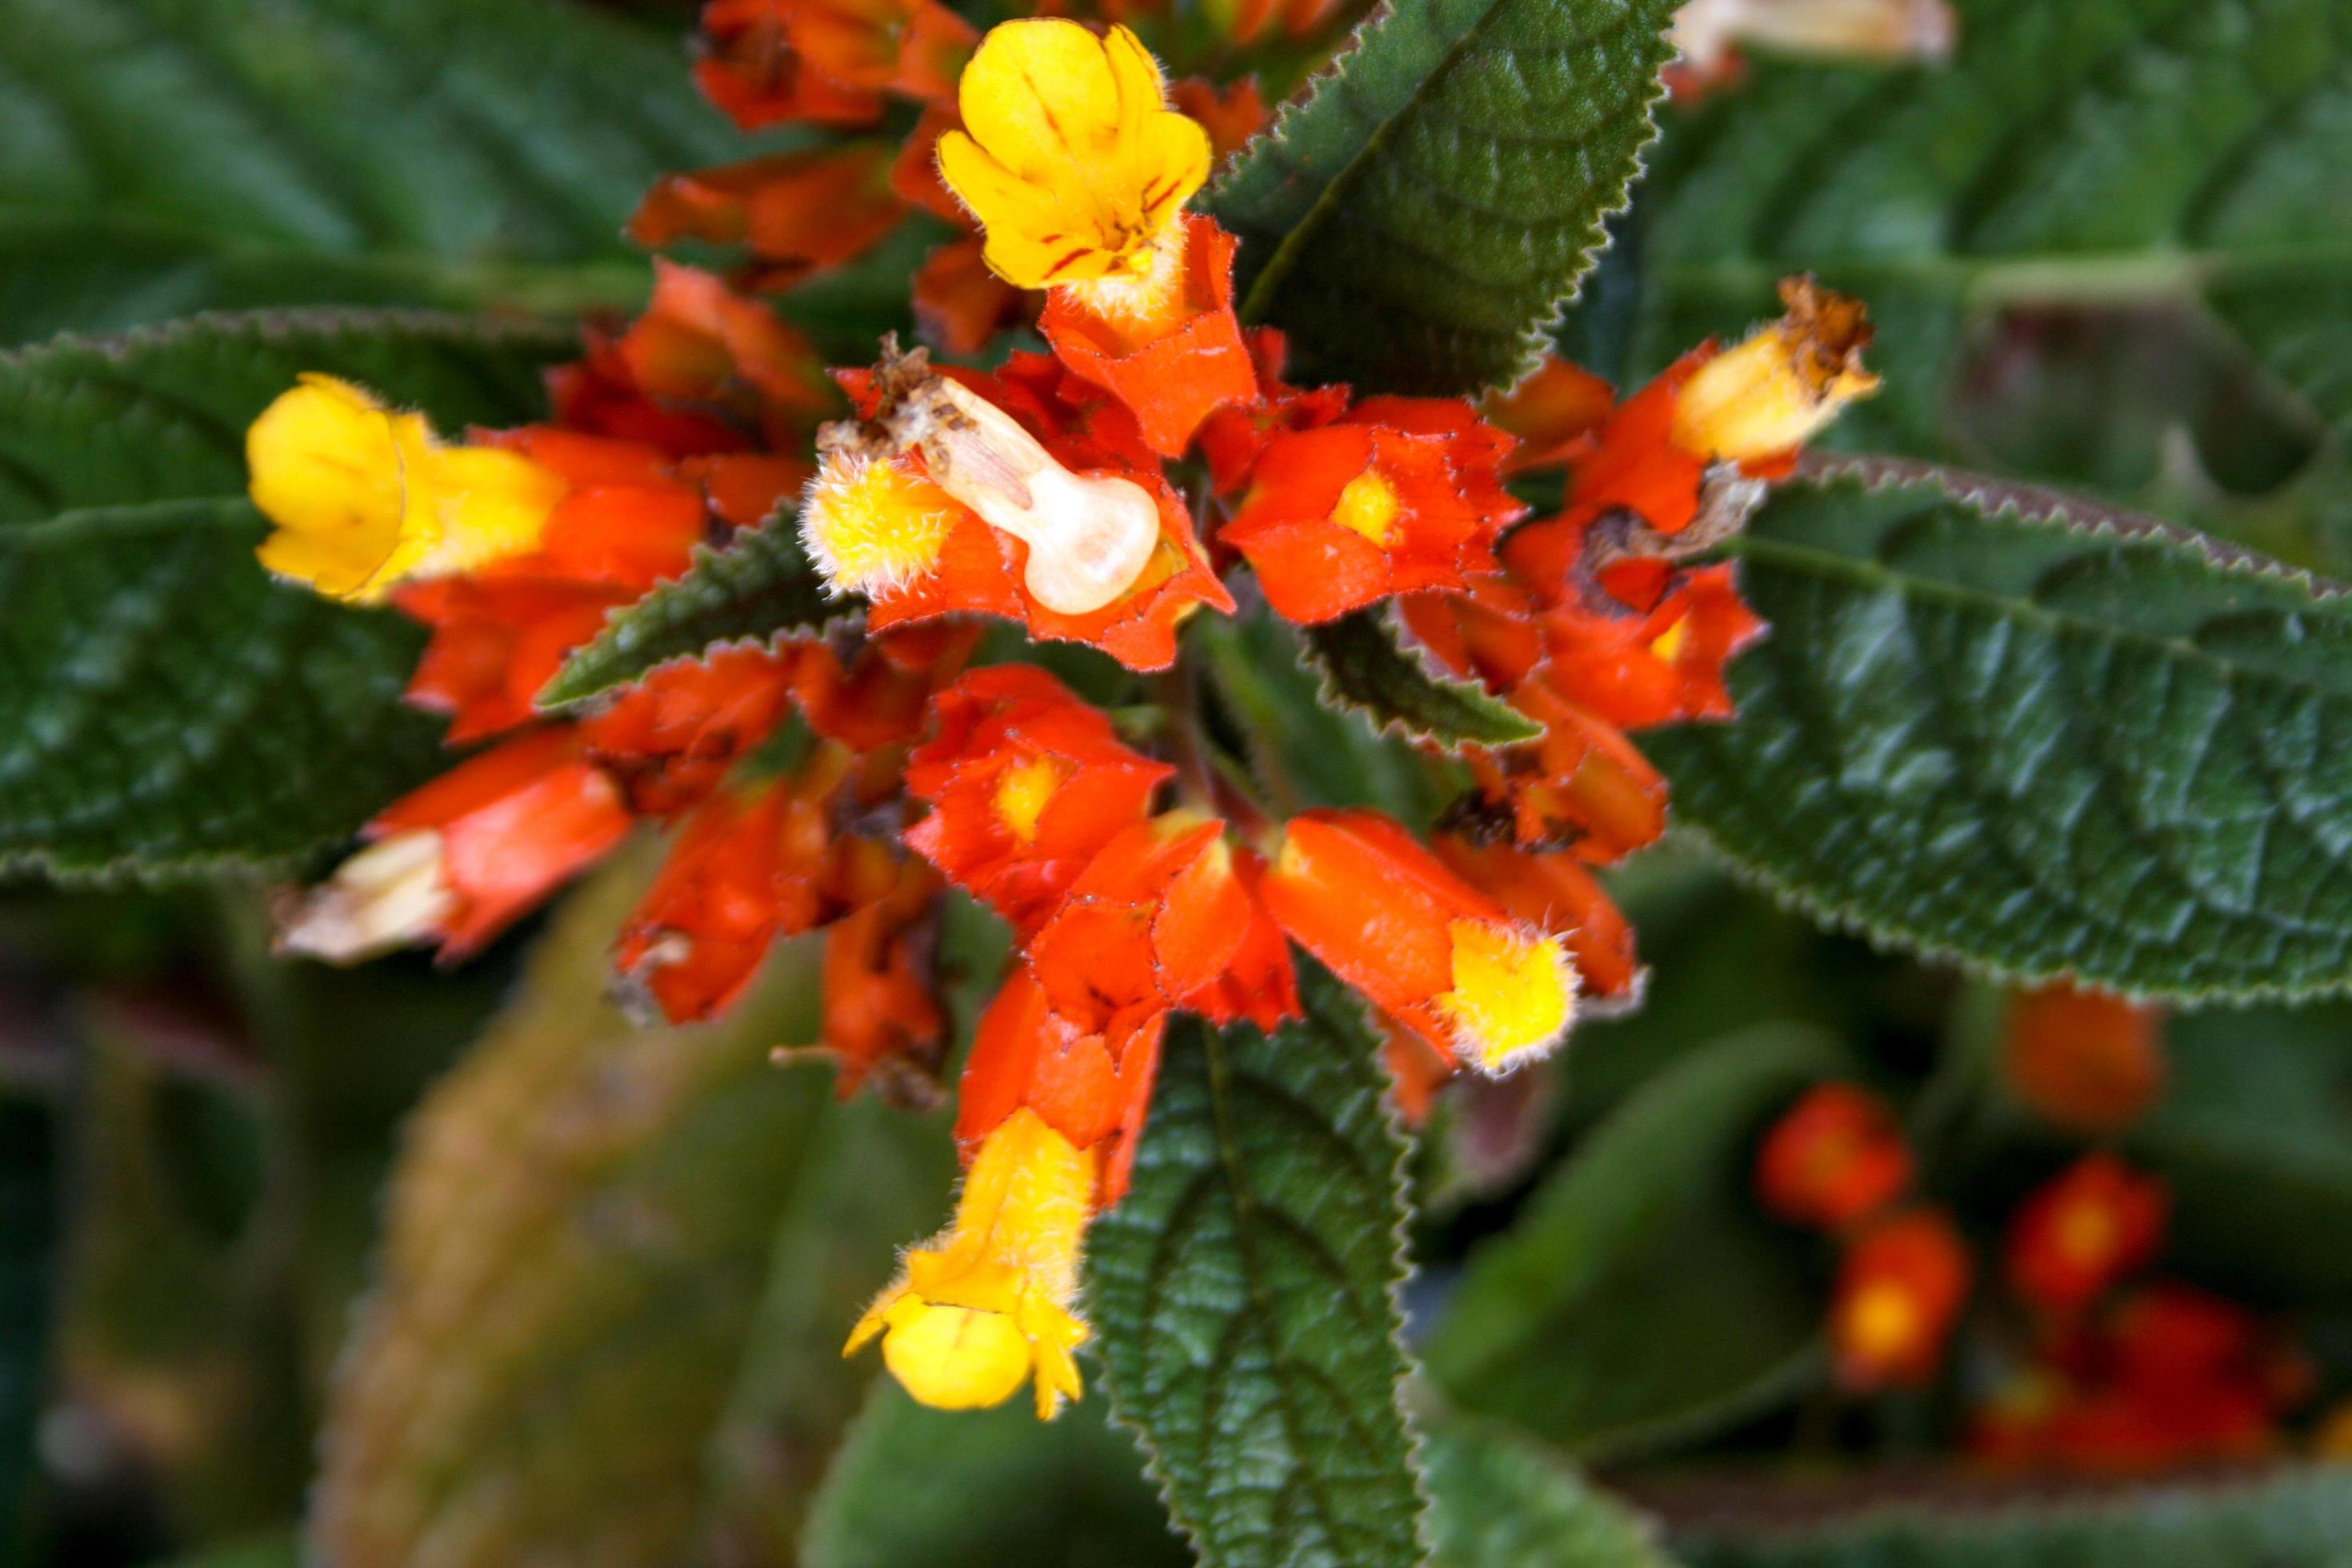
(1514, 994)
(1782, 386)
(363, 497)
(986, 1306)
(1074, 164)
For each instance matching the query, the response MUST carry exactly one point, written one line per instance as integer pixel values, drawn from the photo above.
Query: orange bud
(1900, 1287)
(2086, 1062)
(1834, 1157)
(2082, 1232)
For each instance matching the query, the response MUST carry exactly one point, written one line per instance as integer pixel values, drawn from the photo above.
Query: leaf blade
(1259, 1243)
(1368, 669)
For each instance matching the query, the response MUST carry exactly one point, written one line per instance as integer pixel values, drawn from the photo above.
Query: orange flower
(914, 48)
(1402, 495)
(1836, 1156)
(798, 212)
(1360, 894)
(700, 344)
(465, 856)
(1555, 894)
(1900, 1287)
(672, 737)
(1091, 1084)
(1553, 412)
(1638, 671)
(2082, 1232)
(881, 1009)
(1026, 785)
(1156, 918)
(961, 304)
(626, 517)
(743, 872)
(1231, 114)
(1175, 359)
(883, 696)
(1582, 787)
(1257, 982)
(757, 77)
(498, 640)
(2086, 1062)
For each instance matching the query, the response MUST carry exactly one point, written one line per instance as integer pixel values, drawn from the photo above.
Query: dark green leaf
(1245, 1293)
(1416, 224)
(1497, 1501)
(166, 156)
(2292, 1518)
(1998, 727)
(1366, 667)
(989, 1488)
(577, 1241)
(167, 707)
(1641, 1295)
(2104, 150)
(759, 589)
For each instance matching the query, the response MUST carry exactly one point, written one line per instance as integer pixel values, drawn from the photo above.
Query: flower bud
(1774, 392)
(387, 896)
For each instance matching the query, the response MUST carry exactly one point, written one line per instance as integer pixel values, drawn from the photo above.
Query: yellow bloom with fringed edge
(1069, 157)
(987, 1306)
(363, 496)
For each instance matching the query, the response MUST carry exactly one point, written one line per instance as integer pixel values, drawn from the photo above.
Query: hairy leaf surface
(167, 156)
(1245, 1294)
(2041, 741)
(166, 708)
(1499, 1501)
(1365, 668)
(1416, 222)
(759, 589)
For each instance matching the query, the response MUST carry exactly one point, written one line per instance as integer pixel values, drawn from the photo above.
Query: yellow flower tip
(387, 896)
(872, 524)
(1668, 644)
(1781, 387)
(1514, 994)
(1025, 791)
(1369, 507)
(1069, 157)
(987, 1307)
(363, 497)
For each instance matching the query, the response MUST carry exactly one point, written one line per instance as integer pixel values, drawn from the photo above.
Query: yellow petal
(490, 504)
(330, 468)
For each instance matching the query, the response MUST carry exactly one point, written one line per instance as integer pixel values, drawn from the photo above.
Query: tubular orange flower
(362, 496)
(881, 1011)
(1555, 894)
(2082, 1232)
(1836, 1156)
(1583, 786)
(990, 1304)
(797, 212)
(757, 78)
(1090, 1081)
(1026, 785)
(1553, 412)
(1257, 982)
(1157, 917)
(1360, 894)
(460, 859)
(882, 697)
(1339, 517)
(672, 737)
(1636, 670)
(1900, 1287)
(498, 640)
(1069, 157)
(2086, 1062)
(1173, 357)
(1781, 388)
(911, 47)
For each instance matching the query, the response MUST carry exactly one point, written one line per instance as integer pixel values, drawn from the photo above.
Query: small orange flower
(1555, 894)
(1360, 894)
(1258, 984)
(798, 212)
(672, 737)
(882, 697)
(1900, 1287)
(1389, 500)
(700, 344)
(498, 640)
(1582, 787)
(881, 1009)
(457, 861)
(1175, 359)
(1553, 414)
(1638, 671)
(961, 304)
(1091, 1084)
(1156, 918)
(1026, 785)
(2086, 1062)
(1834, 1157)
(914, 48)
(2082, 1232)
(757, 78)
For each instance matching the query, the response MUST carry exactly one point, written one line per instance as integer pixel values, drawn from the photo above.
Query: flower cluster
(1102, 492)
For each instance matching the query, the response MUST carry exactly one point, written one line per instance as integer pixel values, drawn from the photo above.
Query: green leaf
(1998, 727)
(1365, 668)
(1498, 1501)
(2297, 1518)
(1245, 1293)
(2104, 151)
(758, 590)
(1641, 1295)
(986, 1487)
(171, 710)
(1417, 223)
(166, 156)
(577, 1241)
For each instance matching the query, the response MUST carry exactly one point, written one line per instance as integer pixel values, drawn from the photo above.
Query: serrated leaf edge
(1469, 692)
